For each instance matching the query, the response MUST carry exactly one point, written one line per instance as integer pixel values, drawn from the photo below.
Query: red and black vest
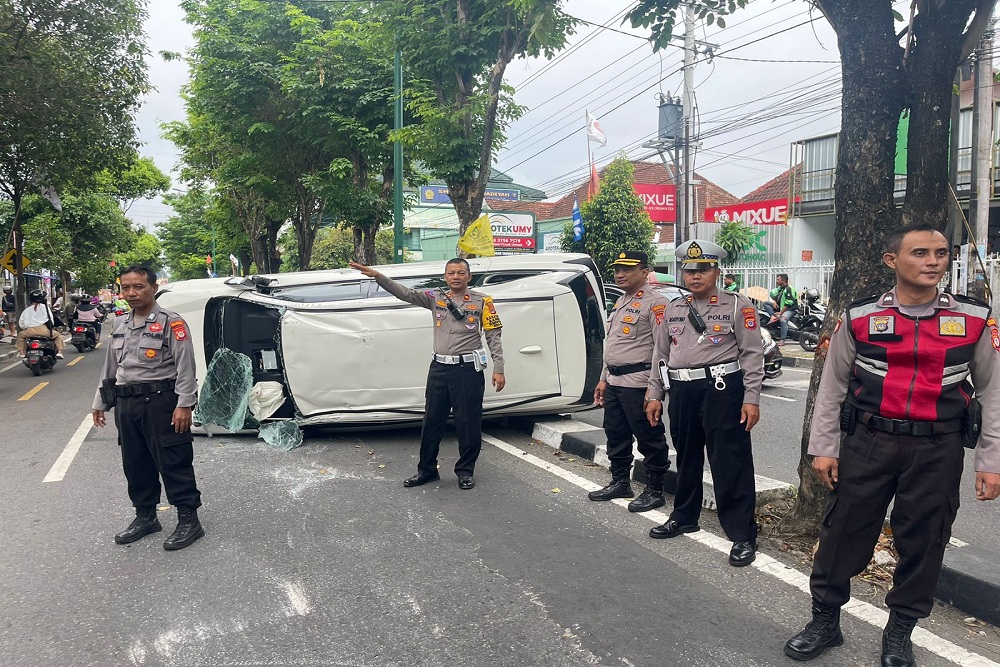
(910, 368)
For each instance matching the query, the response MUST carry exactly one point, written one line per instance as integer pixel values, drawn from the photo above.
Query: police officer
(710, 357)
(628, 356)
(903, 415)
(455, 381)
(149, 378)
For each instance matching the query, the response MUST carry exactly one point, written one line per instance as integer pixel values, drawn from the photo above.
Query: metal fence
(800, 276)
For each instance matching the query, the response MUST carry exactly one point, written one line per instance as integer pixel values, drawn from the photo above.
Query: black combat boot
(144, 523)
(822, 632)
(187, 531)
(652, 496)
(897, 649)
(619, 486)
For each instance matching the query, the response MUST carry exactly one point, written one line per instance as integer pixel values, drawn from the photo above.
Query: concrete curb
(589, 442)
(970, 578)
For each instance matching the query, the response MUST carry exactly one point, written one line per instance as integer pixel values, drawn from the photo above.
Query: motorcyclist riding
(37, 320)
(90, 311)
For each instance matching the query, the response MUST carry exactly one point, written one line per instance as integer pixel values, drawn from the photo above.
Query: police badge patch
(951, 325)
(881, 324)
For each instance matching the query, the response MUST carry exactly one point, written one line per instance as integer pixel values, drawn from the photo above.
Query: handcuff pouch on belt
(972, 424)
(107, 390)
(848, 418)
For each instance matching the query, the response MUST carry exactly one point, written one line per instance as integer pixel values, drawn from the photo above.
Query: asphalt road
(777, 442)
(319, 556)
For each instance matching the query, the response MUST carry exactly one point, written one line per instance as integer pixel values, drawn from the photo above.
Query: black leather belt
(143, 388)
(907, 427)
(631, 368)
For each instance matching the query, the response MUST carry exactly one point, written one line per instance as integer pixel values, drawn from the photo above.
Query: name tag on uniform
(952, 325)
(881, 324)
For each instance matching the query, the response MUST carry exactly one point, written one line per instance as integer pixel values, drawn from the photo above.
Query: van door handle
(531, 349)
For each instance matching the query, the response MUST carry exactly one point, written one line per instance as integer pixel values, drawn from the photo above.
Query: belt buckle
(684, 374)
(902, 427)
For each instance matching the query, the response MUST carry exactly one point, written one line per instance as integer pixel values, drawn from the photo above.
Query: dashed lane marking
(13, 365)
(861, 610)
(779, 398)
(38, 388)
(59, 468)
(76, 361)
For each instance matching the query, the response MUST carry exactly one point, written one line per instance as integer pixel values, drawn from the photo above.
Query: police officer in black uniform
(149, 378)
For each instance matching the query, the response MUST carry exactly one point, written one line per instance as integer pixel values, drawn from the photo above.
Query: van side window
(321, 293)
(413, 283)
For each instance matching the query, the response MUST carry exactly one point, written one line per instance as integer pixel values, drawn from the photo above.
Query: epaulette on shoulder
(864, 302)
(962, 298)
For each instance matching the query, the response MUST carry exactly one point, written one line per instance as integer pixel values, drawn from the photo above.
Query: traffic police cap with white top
(697, 255)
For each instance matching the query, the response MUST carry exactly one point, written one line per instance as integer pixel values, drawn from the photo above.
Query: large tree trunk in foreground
(863, 197)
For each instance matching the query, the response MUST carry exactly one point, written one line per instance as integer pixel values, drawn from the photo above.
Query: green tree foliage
(735, 237)
(335, 247)
(146, 251)
(890, 64)
(455, 55)
(614, 220)
(83, 239)
(187, 236)
(139, 179)
(73, 75)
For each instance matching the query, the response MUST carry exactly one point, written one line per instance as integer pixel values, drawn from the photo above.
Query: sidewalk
(970, 579)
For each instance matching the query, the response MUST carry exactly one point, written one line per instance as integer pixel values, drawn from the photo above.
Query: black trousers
(702, 416)
(623, 419)
(454, 388)
(924, 474)
(152, 450)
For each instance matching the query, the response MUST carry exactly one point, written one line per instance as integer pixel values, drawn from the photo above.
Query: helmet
(812, 294)
(95, 300)
(8, 289)
(36, 296)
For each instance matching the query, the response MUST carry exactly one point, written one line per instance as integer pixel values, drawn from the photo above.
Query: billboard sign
(513, 231)
(660, 201)
(770, 212)
(438, 194)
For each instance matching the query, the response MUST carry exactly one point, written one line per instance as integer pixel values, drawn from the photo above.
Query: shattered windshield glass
(284, 435)
(225, 395)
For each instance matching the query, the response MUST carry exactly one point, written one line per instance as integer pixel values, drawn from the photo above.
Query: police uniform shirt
(152, 349)
(451, 335)
(630, 335)
(731, 334)
(984, 370)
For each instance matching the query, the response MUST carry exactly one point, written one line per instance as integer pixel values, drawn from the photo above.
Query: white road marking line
(860, 610)
(59, 468)
(17, 363)
(779, 398)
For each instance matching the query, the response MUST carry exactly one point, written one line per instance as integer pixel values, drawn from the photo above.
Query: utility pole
(686, 159)
(982, 133)
(397, 162)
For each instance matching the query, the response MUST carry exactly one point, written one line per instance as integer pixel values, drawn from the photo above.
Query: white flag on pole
(594, 131)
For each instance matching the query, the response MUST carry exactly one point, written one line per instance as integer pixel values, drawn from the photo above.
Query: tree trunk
(863, 197)
(930, 70)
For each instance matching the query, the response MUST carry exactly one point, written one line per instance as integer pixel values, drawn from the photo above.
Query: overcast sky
(750, 109)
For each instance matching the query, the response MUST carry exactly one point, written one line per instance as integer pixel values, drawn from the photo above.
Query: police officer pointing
(628, 356)
(455, 381)
(149, 378)
(896, 381)
(709, 356)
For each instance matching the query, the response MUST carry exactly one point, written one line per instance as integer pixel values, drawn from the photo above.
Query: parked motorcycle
(810, 319)
(84, 336)
(773, 359)
(39, 355)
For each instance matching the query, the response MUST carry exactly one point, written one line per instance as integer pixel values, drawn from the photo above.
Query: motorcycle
(84, 336)
(772, 356)
(39, 355)
(809, 319)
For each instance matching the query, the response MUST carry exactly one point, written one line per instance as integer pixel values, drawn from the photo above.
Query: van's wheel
(809, 339)
(80, 347)
(36, 369)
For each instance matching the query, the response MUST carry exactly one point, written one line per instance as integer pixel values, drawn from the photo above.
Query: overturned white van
(347, 353)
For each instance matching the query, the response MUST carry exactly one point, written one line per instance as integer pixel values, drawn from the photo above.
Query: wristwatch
(647, 399)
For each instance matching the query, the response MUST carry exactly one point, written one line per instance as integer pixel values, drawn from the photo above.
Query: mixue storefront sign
(660, 201)
(513, 233)
(771, 212)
